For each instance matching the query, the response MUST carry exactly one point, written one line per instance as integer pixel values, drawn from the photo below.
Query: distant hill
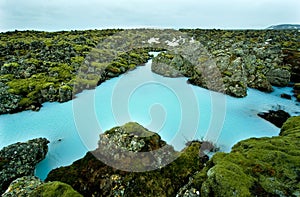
(285, 26)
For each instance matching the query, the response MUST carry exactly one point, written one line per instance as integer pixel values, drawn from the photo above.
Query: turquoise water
(176, 110)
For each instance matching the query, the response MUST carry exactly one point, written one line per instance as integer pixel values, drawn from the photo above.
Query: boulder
(275, 117)
(19, 159)
(279, 77)
(22, 186)
(292, 58)
(286, 96)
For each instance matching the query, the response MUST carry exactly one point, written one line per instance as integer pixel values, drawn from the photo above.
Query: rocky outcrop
(259, 60)
(172, 65)
(292, 58)
(31, 187)
(239, 68)
(277, 117)
(279, 77)
(19, 159)
(56, 66)
(8, 102)
(22, 186)
(254, 167)
(91, 175)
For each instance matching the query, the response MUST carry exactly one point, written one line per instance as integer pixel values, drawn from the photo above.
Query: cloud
(79, 14)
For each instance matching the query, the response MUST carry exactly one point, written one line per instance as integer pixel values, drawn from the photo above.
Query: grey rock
(23, 186)
(19, 159)
(279, 77)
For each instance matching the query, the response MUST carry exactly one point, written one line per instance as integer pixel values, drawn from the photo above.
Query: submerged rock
(92, 176)
(275, 117)
(19, 159)
(286, 96)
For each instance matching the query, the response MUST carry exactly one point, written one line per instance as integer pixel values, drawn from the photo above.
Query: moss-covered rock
(23, 186)
(54, 189)
(255, 167)
(36, 67)
(93, 177)
(33, 187)
(19, 159)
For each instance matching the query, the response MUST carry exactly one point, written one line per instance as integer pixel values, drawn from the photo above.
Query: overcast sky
(53, 15)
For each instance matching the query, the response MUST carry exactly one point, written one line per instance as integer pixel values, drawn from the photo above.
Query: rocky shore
(20, 159)
(38, 67)
(255, 59)
(17, 166)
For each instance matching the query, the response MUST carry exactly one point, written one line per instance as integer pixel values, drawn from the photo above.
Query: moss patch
(55, 189)
(257, 166)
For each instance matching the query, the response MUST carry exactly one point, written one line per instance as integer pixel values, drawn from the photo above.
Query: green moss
(257, 166)
(25, 102)
(227, 73)
(55, 189)
(291, 125)
(13, 64)
(227, 179)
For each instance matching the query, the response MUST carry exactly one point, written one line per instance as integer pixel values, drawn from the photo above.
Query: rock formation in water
(20, 159)
(276, 117)
(92, 177)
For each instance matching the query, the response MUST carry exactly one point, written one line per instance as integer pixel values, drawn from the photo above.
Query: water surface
(176, 110)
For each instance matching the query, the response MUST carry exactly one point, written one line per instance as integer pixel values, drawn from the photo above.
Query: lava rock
(286, 96)
(22, 186)
(275, 117)
(93, 176)
(254, 167)
(31, 186)
(19, 159)
(279, 77)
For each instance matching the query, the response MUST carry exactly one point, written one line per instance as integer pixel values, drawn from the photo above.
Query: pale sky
(54, 15)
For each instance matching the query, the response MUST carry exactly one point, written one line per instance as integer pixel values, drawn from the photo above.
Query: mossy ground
(41, 66)
(256, 167)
